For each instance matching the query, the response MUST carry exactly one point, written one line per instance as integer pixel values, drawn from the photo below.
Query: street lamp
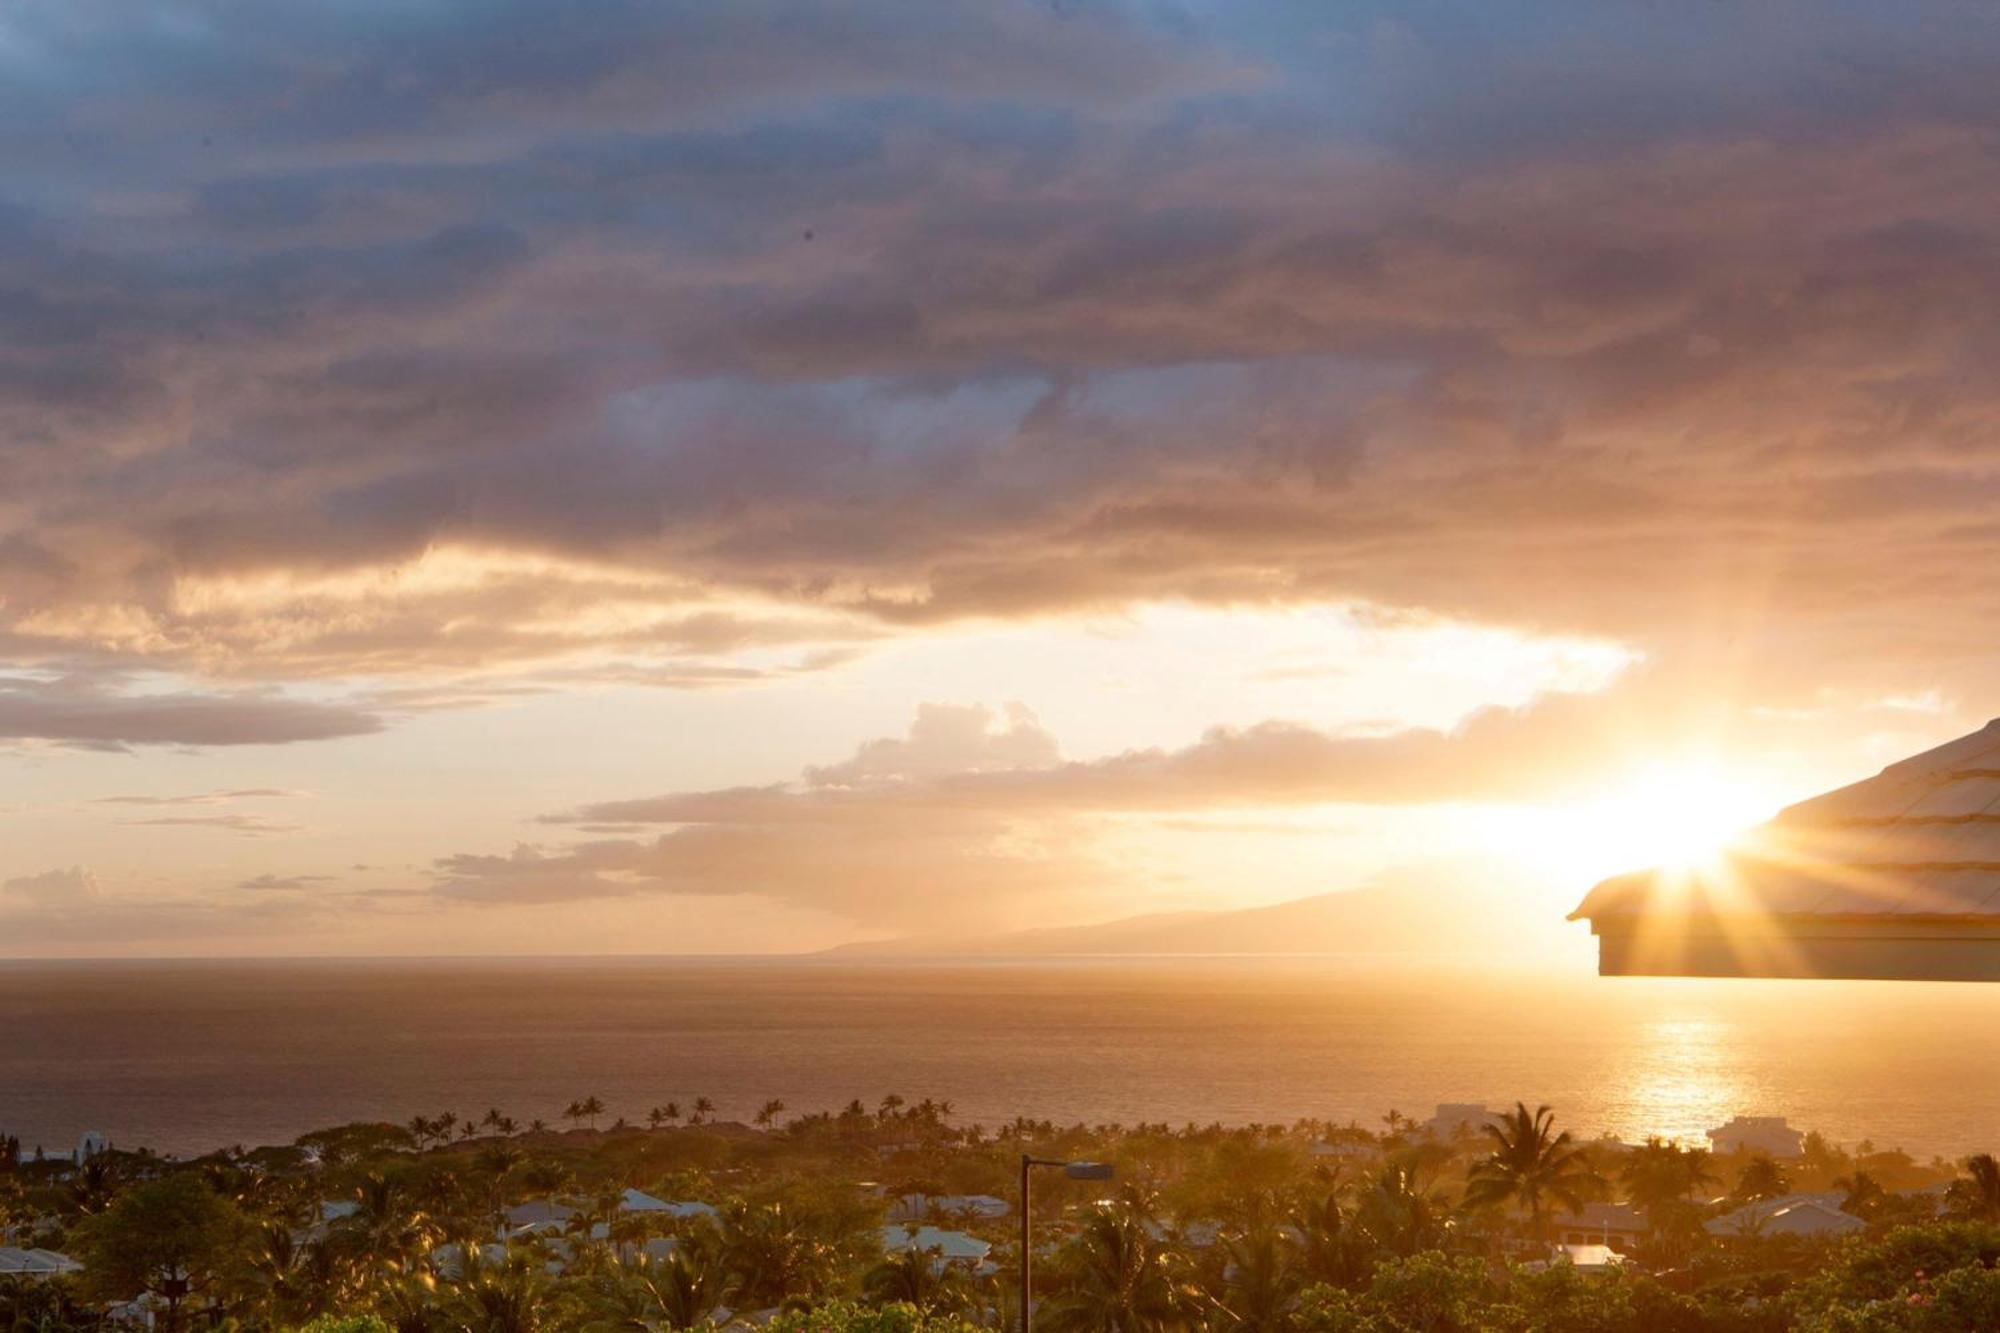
(1075, 1171)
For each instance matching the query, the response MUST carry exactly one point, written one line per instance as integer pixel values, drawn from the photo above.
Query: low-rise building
(35, 1263)
(1457, 1118)
(1619, 1225)
(638, 1201)
(952, 1247)
(1767, 1134)
(917, 1207)
(1788, 1215)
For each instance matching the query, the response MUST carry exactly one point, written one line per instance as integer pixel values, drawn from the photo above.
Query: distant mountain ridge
(1375, 920)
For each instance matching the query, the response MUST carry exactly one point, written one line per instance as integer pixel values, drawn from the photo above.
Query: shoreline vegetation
(895, 1219)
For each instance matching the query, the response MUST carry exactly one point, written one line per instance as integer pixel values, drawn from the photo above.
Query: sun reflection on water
(1681, 1079)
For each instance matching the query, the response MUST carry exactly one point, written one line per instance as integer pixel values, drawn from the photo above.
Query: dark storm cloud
(1672, 324)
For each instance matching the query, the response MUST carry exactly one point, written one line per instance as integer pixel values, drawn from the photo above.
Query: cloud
(59, 890)
(85, 714)
(973, 816)
(689, 338)
(235, 823)
(945, 739)
(954, 759)
(268, 882)
(197, 798)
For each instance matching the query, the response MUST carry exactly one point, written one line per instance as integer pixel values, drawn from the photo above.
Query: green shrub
(345, 1323)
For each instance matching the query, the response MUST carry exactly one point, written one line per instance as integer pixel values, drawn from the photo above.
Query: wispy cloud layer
(89, 714)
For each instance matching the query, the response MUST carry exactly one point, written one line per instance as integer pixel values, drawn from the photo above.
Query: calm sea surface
(189, 1056)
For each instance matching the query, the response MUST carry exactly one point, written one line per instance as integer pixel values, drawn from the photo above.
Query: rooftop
(1894, 876)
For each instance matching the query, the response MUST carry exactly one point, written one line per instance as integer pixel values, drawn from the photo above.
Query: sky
(643, 478)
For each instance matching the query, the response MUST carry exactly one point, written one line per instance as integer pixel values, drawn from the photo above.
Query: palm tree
(656, 1117)
(408, 1304)
(389, 1235)
(916, 1277)
(1331, 1249)
(683, 1290)
(769, 1112)
(772, 1255)
(589, 1230)
(1530, 1165)
(290, 1280)
(497, 1162)
(1863, 1194)
(1400, 1211)
(1976, 1194)
(95, 1184)
(511, 1295)
(1762, 1178)
(1261, 1282)
(1114, 1277)
(703, 1108)
(1659, 1173)
(545, 1177)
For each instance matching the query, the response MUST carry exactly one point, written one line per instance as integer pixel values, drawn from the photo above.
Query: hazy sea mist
(186, 1056)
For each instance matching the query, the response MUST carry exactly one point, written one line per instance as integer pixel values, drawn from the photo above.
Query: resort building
(538, 1215)
(1618, 1225)
(1590, 1258)
(1346, 1150)
(638, 1201)
(917, 1207)
(1457, 1118)
(16, 1263)
(1897, 876)
(1767, 1134)
(1809, 1215)
(952, 1247)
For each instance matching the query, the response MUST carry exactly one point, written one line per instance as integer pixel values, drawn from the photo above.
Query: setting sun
(1682, 815)
(1673, 815)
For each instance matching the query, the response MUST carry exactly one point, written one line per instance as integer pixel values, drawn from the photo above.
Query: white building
(1589, 1258)
(1619, 1225)
(35, 1263)
(1789, 1215)
(953, 1247)
(917, 1207)
(538, 1215)
(1344, 1150)
(1768, 1134)
(638, 1201)
(1455, 1118)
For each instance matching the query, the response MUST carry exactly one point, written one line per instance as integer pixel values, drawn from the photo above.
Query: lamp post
(1075, 1171)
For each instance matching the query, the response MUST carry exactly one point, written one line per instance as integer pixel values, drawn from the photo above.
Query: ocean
(189, 1056)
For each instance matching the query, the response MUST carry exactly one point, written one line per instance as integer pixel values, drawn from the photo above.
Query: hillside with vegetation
(812, 1225)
